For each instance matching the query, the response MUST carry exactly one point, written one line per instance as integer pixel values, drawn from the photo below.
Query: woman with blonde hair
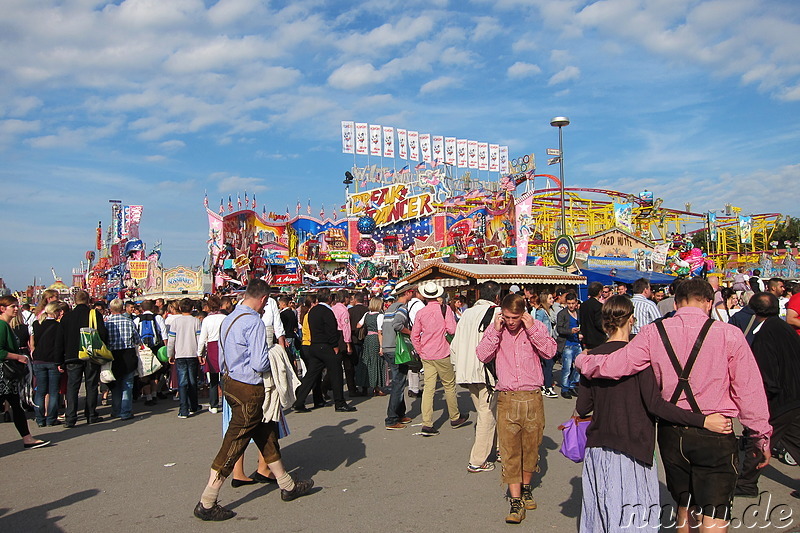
(545, 314)
(369, 372)
(48, 363)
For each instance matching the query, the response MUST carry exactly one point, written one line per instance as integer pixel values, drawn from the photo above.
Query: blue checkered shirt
(122, 332)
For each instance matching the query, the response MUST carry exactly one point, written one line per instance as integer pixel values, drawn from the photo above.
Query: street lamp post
(560, 122)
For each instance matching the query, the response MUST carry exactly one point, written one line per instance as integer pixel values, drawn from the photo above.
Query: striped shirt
(645, 311)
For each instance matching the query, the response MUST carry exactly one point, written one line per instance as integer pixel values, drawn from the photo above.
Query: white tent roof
(458, 274)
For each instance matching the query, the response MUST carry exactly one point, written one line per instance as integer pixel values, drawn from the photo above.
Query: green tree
(787, 230)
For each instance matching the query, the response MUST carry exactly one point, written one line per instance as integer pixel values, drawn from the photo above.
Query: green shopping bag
(92, 346)
(403, 352)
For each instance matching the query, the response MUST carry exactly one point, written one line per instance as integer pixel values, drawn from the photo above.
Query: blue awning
(625, 275)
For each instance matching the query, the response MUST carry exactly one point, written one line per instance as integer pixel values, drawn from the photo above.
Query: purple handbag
(574, 445)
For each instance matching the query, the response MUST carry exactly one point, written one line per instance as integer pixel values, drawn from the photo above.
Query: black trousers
(786, 431)
(18, 413)
(88, 373)
(305, 354)
(322, 356)
(349, 362)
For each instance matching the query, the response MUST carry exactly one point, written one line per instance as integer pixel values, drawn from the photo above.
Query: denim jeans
(47, 379)
(397, 403)
(187, 384)
(122, 396)
(569, 374)
(547, 370)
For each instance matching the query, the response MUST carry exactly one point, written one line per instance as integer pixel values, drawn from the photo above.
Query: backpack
(149, 332)
(490, 368)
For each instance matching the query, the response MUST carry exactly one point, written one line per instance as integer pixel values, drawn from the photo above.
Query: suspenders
(684, 371)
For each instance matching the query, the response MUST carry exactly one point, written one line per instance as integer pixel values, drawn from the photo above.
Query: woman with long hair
(545, 314)
(618, 471)
(369, 372)
(9, 391)
(48, 364)
(727, 306)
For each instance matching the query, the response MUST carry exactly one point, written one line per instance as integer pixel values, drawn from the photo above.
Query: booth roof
(457, 274)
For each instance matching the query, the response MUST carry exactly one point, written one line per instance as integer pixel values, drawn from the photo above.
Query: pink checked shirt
(427, 334)
(517, 355)
(342, 320)
(725, 378)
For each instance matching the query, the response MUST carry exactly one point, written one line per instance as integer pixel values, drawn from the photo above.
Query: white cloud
(521, 69)
(526, 43)
(226, 12)
(486, 28)
(407, 29)
(155, 158)
(173, 145)
(230, 183)
(566, 74)
(353, 75)
(438, 84)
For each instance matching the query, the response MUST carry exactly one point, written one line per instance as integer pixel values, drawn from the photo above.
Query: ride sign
(564, 251)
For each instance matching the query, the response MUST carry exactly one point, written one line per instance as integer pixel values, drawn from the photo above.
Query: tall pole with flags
(560, 122)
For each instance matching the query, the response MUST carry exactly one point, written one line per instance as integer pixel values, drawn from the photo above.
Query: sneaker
(517, 512)
(463, 421)
(548, 392)
(574, 392)
(301, 488)
(527, 497)
(216, 514)
(565, 394)
(183, 416)
(485, 467)
(396, 426)
(428, 431)
(214, 410)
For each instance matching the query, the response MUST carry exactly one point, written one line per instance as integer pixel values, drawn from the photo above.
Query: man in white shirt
(645, 310)
(414, 305)
(272, 320)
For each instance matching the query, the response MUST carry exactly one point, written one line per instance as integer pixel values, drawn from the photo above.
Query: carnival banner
(450, 150)
(483, 156)
(133, 216)
(375, 147)
(524, 227)
(295, 278)
(402, 144)
(425, 147)
(348, 136)
(712, 226)
(390, 204)
(623, 215)
(494, 158)
(362, 133)
(472, 154)
(463, 160)
(138, 268)
(437, 147)
(181, 279)
(504, 159)
(413, 145)
(746, 229)
(388, 141)
(214, 236)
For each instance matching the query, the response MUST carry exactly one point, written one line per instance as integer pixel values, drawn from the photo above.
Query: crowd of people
(691, 356)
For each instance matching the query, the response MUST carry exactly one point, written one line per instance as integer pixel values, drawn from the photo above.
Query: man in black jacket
(776, 348)
(357, 312)
(323, 353)
(591, 319)
(78, 370)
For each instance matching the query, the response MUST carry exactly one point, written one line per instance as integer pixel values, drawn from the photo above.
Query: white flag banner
(348, 137)
(472, 153)
(388, 141)
(402, 144)
(413, 145)
(504, 159)
(463, 160)
(450, 150)
(362, 144)
(437, 148)
(494, 158)
(375, 140)
(483, 156)
(425, 146)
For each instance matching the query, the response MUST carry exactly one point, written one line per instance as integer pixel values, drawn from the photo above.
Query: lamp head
(559, 122)
(348, 178)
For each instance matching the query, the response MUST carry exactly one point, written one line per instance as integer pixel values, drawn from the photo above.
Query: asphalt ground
(147, 474)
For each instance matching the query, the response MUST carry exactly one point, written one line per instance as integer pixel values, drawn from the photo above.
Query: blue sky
(155, 102)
